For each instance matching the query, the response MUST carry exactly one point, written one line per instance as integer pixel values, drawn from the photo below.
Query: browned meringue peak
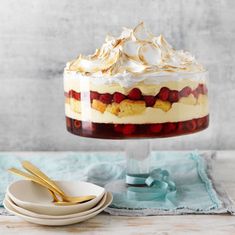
(135, 51)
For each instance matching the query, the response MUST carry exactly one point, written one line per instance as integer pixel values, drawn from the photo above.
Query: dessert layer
(147, 87)
(178, 112)
(163, 93)
(122, 131)
(122, 106)
(135, 51)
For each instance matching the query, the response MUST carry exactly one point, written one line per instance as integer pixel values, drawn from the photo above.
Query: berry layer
(120, 131)
(165, 106)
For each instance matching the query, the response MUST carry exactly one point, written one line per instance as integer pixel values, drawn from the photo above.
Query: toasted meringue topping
(135, 51)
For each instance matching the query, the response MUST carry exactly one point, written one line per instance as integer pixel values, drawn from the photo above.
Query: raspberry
(185, 92)
(191, 125)
(94, 126)
(163, 93)
(74, 94)
(200, 89)
(169, 127)
(77, 124)
(118, 128)
(155, 128)
(94, 95)
(68, 122)
(149, 100)
(118, 97)
(173, 96)
(200, 122)
(70, 93)
(181, 127)
(106, 98)
(135, 94)
(128, 129)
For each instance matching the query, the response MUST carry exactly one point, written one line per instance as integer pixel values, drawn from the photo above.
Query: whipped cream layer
(149, 85)
(136, 53)
(178, 112)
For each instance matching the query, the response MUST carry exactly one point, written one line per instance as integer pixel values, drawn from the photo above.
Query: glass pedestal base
(134, 198)
(144, 184)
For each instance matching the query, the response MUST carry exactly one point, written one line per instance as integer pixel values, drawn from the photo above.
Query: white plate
(58, 222)
(42, 216)
(31, 196)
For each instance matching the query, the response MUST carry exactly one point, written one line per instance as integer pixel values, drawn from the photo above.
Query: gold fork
(38, 173)
(52, 190)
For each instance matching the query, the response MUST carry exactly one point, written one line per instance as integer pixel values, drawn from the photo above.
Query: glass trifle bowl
(136, 86)
(176, 106)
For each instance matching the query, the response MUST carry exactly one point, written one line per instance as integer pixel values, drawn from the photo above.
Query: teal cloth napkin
(195, 190)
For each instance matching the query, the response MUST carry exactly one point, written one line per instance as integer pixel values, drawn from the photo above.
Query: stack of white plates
(33, 202)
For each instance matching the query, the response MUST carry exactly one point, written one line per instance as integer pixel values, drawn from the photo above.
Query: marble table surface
(180, 224)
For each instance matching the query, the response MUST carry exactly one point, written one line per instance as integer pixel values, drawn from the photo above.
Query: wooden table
(181, 224)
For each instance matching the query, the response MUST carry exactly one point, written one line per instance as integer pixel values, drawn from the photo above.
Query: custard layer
(178, 112)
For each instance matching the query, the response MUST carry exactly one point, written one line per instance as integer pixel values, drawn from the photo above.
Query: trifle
(135, 85)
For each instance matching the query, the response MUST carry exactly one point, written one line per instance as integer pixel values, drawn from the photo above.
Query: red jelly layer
(125, 131)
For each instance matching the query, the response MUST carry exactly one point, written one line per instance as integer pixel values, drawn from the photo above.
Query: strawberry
(173, 96)
(94, 95)
(118, 97)
(106, 98)
(149, 100)
(155, 128)
(118, 128)
(128, 129)
(169, 127)
(163, 93)
(135, 94)
(191, 125)
(185, 92)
